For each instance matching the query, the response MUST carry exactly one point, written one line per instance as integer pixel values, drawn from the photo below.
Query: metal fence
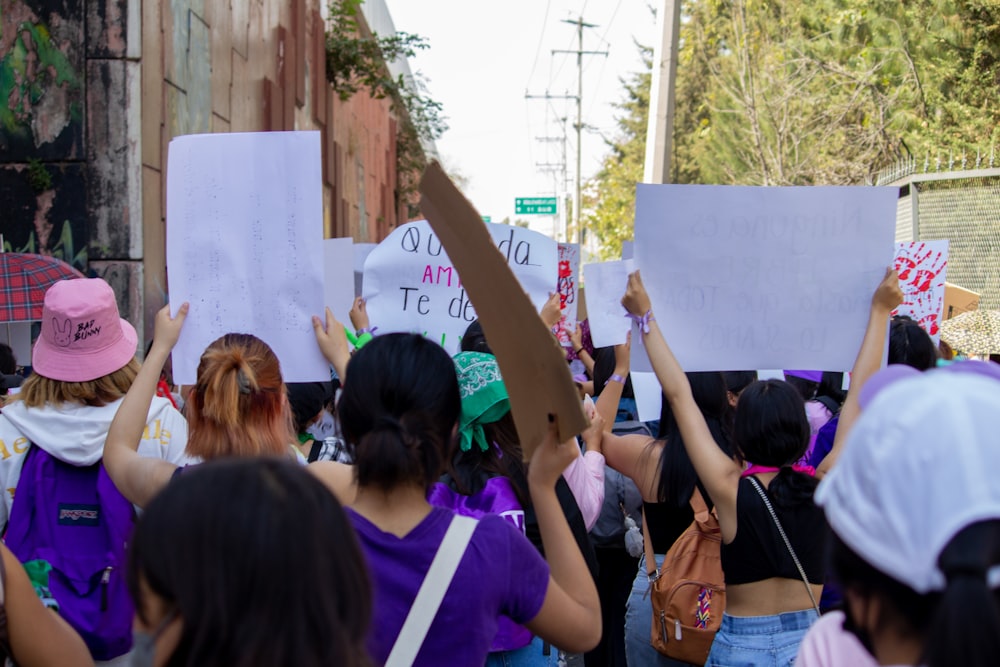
(961, 205)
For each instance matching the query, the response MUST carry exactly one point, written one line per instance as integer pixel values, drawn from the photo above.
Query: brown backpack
(689, 592)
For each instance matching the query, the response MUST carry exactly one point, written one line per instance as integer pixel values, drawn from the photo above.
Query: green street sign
(535, 205)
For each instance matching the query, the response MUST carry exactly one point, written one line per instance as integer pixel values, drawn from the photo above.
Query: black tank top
(759, 553)
(666, 522)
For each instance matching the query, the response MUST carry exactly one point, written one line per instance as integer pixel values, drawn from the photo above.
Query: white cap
(920, 465)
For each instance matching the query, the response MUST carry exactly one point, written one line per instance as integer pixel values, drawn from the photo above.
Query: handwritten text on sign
(755, 277)
(244, 246)
(922, 268)
(410, 284)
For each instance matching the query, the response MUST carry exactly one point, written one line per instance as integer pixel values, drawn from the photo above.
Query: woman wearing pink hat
(84, 363)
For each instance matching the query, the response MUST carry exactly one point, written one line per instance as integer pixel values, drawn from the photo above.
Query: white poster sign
(648, 395)
(606, 283)
(361, 252)
(568, 285)
(410, 284)
(244, 245)
(923, 269)
(338, 277)
(763, 277)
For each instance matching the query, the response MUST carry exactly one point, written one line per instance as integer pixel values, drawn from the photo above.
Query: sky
(483, 57)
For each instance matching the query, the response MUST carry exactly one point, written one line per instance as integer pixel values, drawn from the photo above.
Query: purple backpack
(74, 518)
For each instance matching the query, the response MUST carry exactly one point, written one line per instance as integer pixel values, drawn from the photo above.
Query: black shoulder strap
(829, 404)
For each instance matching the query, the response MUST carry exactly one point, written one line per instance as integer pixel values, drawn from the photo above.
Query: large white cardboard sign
(244, 245)
(606, 283)
(763, 277)
(410, 284)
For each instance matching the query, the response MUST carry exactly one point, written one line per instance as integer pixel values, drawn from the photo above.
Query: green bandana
(484, 397)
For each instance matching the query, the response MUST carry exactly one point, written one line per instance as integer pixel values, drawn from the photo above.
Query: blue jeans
(528, 656)
(639, 622)
(760, 641)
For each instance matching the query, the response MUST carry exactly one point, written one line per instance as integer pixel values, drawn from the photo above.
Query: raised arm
(576, 338)
(39, 637)
(139, 478)
(887, 297)
(332, 341)
(570, 617)
(719, 473)
(611, 394)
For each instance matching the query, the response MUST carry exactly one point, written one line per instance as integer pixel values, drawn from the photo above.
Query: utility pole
(580, 25)
(548, 96)
(659, 131)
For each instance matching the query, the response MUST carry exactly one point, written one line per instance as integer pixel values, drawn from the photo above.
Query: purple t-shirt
(501, 573)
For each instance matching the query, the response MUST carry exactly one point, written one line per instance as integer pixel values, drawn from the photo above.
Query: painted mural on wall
(41, 84)
(42, 173)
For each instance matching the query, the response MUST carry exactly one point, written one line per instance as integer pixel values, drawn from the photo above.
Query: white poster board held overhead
(244, 245)
(410, 284)
(606, 283)
(338, 277)
(923, 269)
(568, 284)
(763, 277)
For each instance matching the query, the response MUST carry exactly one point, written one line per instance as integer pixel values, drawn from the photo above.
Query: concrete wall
(96, 89)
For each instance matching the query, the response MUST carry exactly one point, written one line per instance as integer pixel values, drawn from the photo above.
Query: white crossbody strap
(432, 591)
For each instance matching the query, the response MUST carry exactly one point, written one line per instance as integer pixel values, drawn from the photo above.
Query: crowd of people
(390, 517)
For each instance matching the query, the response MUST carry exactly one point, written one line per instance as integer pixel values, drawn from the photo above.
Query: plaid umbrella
(24, 277)
(976, 332)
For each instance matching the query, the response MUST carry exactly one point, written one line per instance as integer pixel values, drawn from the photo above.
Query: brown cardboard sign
(958, 300)
(532, 363)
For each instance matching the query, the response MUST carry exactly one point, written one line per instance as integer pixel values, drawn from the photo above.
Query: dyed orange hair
(238, 406)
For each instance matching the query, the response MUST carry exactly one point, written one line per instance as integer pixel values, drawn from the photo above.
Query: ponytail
(228, 390)
(238, 405)
(399, 410)
(399, 451)
(965, 627)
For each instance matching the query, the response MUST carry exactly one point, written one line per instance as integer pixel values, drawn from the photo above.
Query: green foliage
(39, 177)
(785, 92)
(357, 61)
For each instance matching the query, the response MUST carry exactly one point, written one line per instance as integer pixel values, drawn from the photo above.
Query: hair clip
(243, 381)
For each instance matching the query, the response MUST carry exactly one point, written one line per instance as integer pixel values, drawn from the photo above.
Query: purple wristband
(366, 330)
(615, 378)
(643, 321)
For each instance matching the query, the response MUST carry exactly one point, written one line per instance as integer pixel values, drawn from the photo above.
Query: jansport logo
(79, 515)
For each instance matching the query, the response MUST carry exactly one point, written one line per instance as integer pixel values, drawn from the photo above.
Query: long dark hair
(472, 469)
(398, 411)
(944, 619)
(677, 474)
(909, 344)
(771, 429)
(260, 563)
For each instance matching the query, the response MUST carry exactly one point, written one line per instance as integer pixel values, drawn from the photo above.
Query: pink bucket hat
(82, 338)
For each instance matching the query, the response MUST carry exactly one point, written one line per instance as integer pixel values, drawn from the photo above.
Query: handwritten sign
(922, 268)
(568, 285)
(411, 285)
(244, 232)
(338, 276)
(533, 365)
(757, 277)
(606, 283)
